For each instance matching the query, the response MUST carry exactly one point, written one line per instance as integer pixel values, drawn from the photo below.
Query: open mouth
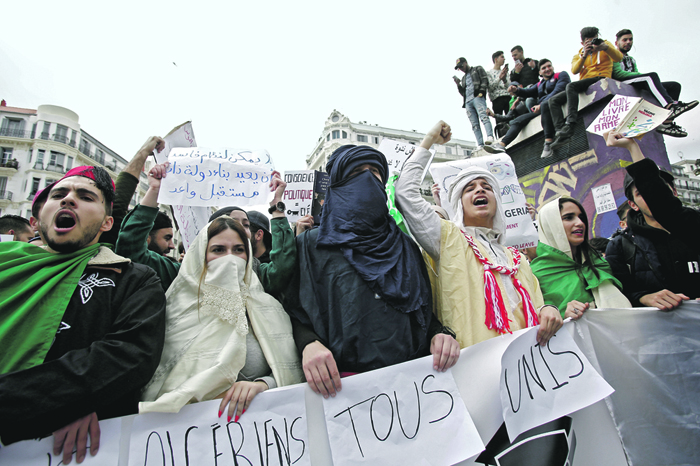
(578, 232)
(481, 201)
(65, 221)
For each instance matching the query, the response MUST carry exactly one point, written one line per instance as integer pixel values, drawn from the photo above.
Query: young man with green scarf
(81, 329)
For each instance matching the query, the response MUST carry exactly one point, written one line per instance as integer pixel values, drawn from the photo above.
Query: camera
(597, 41)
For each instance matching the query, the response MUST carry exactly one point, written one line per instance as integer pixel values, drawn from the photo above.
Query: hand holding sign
(76, 435)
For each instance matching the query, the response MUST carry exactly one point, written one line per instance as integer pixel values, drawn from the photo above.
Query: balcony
(9, 167)
(45, 136)
(38, 166)
(5, 197)
(60, 138)
(55, 168)
(15, 133)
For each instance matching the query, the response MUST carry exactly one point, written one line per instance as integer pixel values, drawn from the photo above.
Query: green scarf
(35, 288)
(563, 280)
(391, 204)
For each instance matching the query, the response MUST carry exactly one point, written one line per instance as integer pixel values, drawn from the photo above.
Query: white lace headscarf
(455, 195)
(206, 327)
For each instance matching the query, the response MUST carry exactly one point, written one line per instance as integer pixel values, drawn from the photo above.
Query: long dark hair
(584, 250)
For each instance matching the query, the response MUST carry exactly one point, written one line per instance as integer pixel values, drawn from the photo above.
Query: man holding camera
(593, 62)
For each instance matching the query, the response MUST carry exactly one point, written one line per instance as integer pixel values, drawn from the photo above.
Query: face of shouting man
(479, 203)
(74, 215)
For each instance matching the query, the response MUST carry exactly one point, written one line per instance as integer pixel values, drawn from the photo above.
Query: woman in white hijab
(482, 288)
(573, 276)
(224, 336)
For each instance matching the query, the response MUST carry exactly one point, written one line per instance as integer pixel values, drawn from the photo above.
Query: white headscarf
(456, 189)
(206, 328)
(551, 229)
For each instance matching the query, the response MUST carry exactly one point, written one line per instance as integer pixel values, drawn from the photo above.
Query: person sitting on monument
(572, 275)
(483, 288)
(81, 328)
(225, 337)
(361, 299)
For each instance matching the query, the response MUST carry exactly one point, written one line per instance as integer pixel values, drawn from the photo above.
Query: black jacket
(480, 80)
(527, 75)
(647, 259)
(106, 349)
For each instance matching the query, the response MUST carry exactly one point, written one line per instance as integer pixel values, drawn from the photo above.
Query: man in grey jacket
(473, 87)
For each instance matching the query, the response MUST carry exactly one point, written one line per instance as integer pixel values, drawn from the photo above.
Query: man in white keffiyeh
(482, 288)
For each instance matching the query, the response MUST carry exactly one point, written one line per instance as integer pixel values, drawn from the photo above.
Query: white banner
(397, 152)
(40, 452)
(398, 415)
(205, 177)
(298, 196)
(520, 231)
(180, 136)
(541, 384)
(273, 428)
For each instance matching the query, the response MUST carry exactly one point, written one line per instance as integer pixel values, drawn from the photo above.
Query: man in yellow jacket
(593, 62)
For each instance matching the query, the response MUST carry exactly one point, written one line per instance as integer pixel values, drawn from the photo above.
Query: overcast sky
(268, 74)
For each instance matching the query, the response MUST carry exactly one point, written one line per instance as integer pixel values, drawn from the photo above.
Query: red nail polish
(229, 418)
(220, 412)
(237, 418)
(242, 412)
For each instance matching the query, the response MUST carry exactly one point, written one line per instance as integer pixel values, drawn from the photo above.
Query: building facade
(687, 182)
(39, 147)
(339, 130)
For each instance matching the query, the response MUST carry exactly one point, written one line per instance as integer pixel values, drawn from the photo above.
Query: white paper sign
(398, 415)
(603, 199)
(190, 220)
(397, 152)
(520, 231)
(7, 238)
(180, 136)
(298, 196)
(272, 431)
(204, 177)
(540, 384)
(631, 116)
(40, 452)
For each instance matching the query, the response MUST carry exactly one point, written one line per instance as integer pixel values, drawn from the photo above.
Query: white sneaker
(489, 140)
(495, 148)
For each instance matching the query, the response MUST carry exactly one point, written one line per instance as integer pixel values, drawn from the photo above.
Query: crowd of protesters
(98, 321)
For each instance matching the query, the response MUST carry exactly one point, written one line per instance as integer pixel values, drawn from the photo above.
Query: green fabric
(620, 74)
(132, 244)
(391, 204)
(563, 280)
(35, 288)
(276, 274)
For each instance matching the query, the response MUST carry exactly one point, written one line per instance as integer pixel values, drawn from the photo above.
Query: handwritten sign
(540, 384)
(180, 136)
(631, 116)
(203, 177)
(40, 452)
(397, 152)
(190, 220)
(603, 199)
(398, 415)
(520, 231)
(299, 194)
(271, 432)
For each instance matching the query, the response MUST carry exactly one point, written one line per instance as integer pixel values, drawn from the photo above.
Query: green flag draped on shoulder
(35, 288)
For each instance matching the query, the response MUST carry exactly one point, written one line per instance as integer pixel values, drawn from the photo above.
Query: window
(448, 150)
(46, 131)
(69, 163)
(61, 134)
(3, 185)
(85, 147)
(6, 154)
(57, 160)
(48, 182)
(345, 135)
(35, 186)
(336, 134)
(328, 137)
(12, 127)
(39, 164)
(376, 140)
(100, 156)
(361, 138)
(72, 139)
